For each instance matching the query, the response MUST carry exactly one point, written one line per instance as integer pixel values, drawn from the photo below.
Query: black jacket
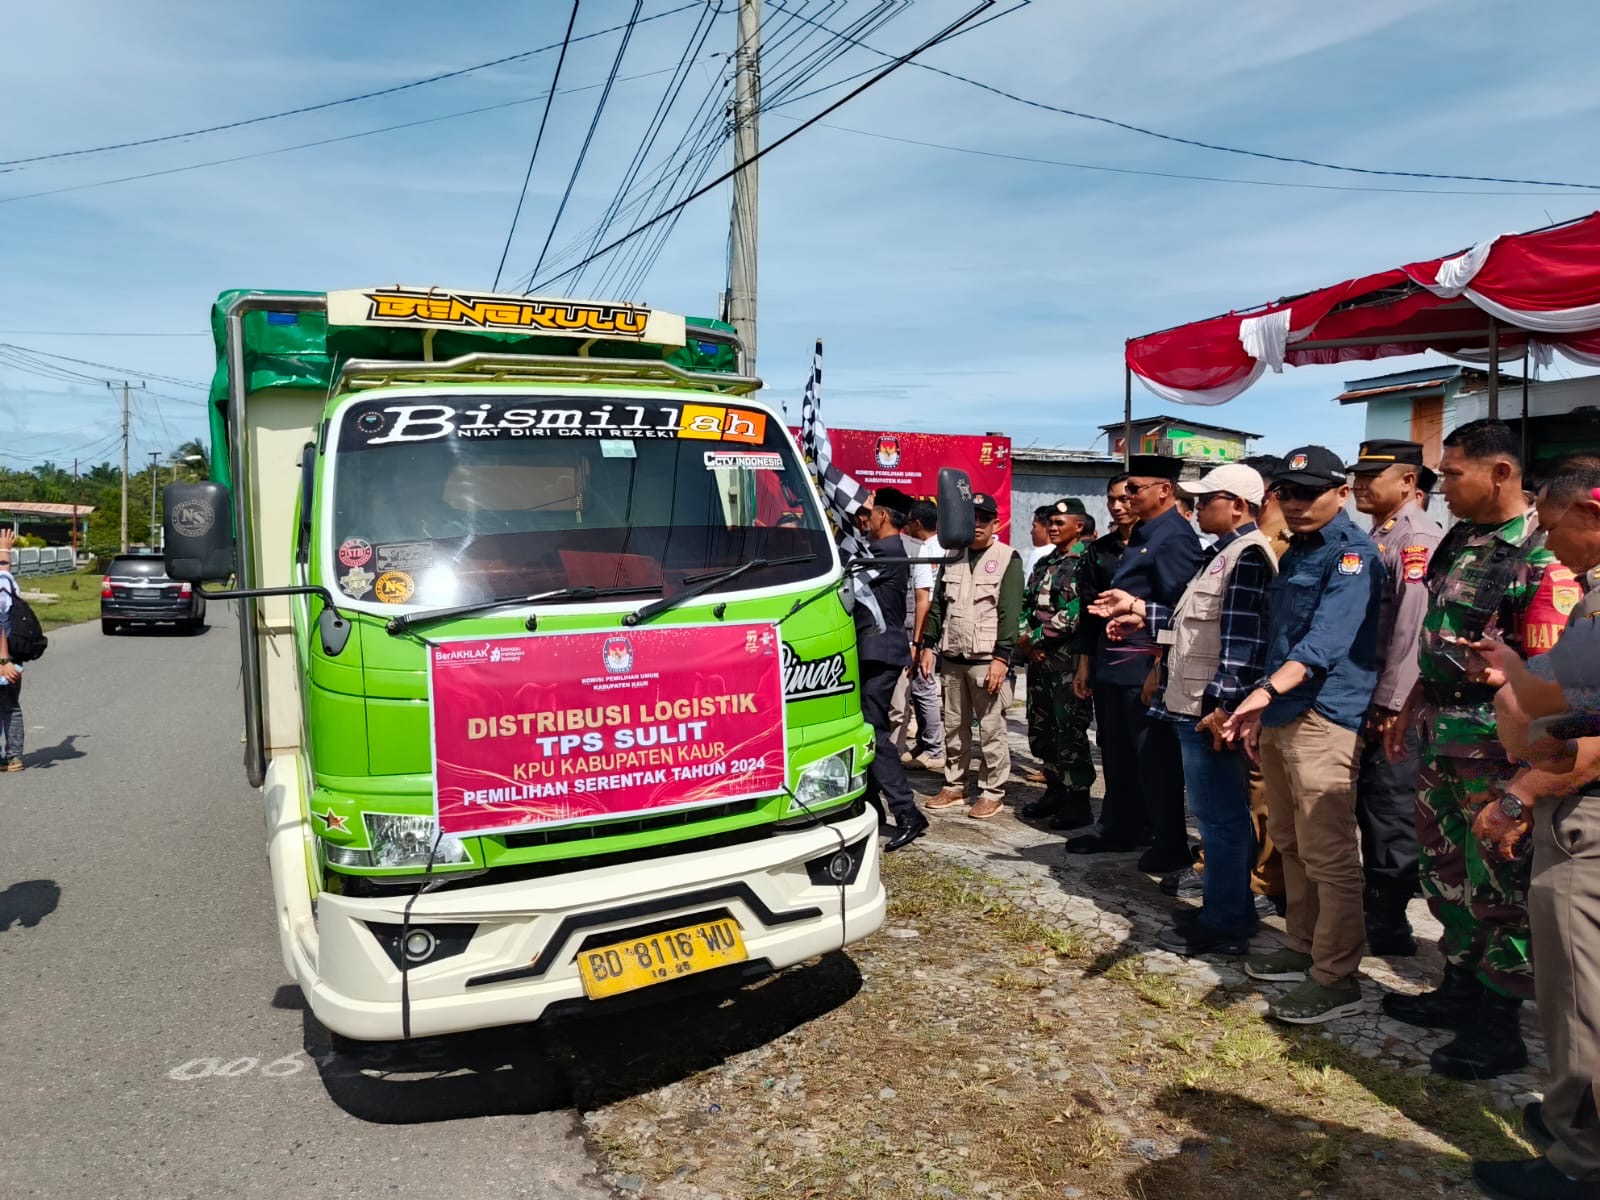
(891, 588)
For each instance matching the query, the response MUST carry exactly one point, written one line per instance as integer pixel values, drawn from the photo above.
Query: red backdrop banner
(911, 462)
(555, 728)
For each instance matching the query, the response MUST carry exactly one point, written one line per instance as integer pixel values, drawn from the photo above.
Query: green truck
(548, 655)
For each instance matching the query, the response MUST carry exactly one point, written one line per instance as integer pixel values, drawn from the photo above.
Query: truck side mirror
(198, 523)
(955, 509)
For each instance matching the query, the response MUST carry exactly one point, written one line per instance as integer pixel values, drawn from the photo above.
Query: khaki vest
(972, 603)
(1195, 635)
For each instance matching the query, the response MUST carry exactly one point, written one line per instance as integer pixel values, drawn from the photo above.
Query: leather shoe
(907, 832)
(1075, 812)
(1534, 1128)
(1530, 1179)
(1094, 843)
(1046, 805)
(947, 798)
(1155, 861)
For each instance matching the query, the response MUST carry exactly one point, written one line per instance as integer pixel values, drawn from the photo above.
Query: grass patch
(988, 1057)
(73, 605)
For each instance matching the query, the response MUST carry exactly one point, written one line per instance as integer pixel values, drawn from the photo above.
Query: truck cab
(549, 656)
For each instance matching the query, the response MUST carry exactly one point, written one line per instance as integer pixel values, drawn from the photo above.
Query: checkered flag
(842, 496)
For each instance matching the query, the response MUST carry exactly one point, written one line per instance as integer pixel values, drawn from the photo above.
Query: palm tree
(192, 459)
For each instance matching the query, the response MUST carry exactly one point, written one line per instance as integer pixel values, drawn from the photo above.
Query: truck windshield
(447, 500)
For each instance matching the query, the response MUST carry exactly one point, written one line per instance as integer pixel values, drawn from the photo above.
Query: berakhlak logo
(618, 655)
(888, 453)
(1297, 463)
(494, 655)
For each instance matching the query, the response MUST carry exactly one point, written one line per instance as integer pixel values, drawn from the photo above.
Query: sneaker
(1271, 906)
(947, 798)
(1312, 1003)
(1185, 884)
(1281, 966)
(1194, 938)
(907, 758)
(986, 807)
(929, 762)
(15, 764)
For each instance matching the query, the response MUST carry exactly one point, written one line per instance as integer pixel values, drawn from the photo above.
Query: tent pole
(1127, 415)
(1527, 344)
(1494, 369)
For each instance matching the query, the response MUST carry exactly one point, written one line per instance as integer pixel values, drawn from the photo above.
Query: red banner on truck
(911, 462)
(555, 728)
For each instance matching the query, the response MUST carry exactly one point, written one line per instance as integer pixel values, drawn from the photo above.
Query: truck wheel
(108, 627)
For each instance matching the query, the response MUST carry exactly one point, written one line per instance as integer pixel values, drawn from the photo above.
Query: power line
(588, 138)
(326, 104)
(692, 49)
(92, 333)
(948, 31)
(1170, 137)
(538, 138)
(84, 362)
(327, 141)
(1054, 162)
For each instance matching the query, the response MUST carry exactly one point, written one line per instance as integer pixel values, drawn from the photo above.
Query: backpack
(26, 638)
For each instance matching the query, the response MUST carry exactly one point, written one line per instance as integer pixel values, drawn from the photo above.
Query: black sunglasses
(1301, 491)
(1135, 488)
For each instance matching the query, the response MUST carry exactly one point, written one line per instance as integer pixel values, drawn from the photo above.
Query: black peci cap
(893, 499)
(1155, 466)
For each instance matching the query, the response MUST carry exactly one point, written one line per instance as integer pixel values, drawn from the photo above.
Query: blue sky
(955, 291)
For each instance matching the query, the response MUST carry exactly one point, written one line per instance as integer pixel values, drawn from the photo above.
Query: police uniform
(1058, 722)
(1140, 754)
(1386, 792)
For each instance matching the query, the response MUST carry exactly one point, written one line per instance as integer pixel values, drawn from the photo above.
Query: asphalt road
(150, 1043)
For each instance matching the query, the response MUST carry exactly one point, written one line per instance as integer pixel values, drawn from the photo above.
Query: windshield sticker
(355, 552)
(618, 448)
(405, 556)
(480, 311)
(809, 678)
(356, 583)
(733, 460)
(394, 587)
(383, 425)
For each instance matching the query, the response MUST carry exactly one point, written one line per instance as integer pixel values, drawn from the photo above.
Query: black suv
(136, 591)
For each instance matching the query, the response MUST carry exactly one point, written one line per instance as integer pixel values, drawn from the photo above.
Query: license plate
(659, 957)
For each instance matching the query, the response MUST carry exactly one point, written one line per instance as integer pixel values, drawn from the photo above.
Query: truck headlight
(406, 841)
(824, 781)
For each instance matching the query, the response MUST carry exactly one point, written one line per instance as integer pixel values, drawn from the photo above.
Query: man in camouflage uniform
(1058, 721)
(1491, 573)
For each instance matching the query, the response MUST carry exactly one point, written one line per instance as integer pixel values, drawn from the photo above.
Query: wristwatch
(1266, 686)
(1512, 806)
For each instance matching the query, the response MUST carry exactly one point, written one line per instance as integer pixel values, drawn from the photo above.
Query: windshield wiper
(704, 583)
(405, 621)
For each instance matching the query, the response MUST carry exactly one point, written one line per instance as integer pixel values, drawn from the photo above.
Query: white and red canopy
(1537, 292)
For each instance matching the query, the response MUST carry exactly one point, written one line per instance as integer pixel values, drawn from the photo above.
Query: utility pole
(124, 542)
(74, 514)
(741, 307)
(154, 455)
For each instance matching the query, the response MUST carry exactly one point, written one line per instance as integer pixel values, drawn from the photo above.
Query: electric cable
(1215, 146)
(599, 110)
(326, 104)
(327, 141)
(883, 74)
(555, 80)
(669, 98)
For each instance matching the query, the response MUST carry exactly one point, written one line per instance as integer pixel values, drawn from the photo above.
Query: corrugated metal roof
(40, 509)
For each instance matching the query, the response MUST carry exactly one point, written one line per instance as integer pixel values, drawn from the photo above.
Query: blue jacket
(1163, 555)
(1323, 613)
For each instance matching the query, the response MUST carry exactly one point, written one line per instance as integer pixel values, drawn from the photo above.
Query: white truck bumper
(522, 955)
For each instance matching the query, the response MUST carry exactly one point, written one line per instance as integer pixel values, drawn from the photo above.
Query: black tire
(107, 627)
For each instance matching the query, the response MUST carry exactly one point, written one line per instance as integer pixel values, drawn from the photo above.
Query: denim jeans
(1219, 797)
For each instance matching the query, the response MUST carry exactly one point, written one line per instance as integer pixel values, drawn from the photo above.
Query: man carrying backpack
(10, 672)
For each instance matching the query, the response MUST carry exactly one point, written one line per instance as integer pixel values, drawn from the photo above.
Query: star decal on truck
(332, 821)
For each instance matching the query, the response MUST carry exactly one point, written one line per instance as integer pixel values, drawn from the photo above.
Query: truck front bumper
(521, 958)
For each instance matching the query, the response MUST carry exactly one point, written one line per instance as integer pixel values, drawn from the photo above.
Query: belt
(1455, 695)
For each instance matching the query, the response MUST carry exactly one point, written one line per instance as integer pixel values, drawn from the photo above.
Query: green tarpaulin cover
(299, 350)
